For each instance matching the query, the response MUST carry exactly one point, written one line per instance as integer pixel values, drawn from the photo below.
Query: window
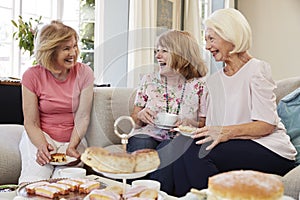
(14, 62)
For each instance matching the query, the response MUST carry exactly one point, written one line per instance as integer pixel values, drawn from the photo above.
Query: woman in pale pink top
(243, 130)
(57, 98)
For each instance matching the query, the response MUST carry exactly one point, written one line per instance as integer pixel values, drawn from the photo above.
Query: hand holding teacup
(166, 119)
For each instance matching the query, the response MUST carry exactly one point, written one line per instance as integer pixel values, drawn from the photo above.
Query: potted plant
(26, 32)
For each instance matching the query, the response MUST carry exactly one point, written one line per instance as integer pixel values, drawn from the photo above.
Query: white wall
(111, 44)
(276, 33)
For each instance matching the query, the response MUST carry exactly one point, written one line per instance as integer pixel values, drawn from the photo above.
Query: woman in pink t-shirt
(57, 98)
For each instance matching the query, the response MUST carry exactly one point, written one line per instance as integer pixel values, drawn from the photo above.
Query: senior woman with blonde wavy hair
(243, 130)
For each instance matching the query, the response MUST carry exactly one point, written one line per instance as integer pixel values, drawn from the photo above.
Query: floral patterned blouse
(151, 94)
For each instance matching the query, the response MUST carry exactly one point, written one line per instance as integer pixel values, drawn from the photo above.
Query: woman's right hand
(43, 155)
(146, 116)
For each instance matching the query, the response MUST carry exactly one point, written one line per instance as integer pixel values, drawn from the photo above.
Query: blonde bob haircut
(232, 26)
(49, 39)
(185, 53)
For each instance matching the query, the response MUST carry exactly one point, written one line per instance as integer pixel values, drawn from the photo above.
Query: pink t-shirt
(58, 100)
(244, 97)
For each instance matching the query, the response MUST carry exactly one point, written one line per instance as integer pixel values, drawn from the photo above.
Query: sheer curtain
(143, 32)
(141, 39)
(192, 18)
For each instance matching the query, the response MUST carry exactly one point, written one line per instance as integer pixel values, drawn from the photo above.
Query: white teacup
(72, 172)
(166, 119)
(148, 183)
(8, 191)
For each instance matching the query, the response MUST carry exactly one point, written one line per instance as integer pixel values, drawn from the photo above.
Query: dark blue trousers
(195, 165)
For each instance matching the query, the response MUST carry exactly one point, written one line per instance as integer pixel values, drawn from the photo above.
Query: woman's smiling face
(162, 56)
(67, 54)
(217, 46)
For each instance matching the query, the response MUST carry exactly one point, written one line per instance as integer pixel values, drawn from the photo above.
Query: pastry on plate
(187, 129)
(103, 195)
(46, 191)
(30, 188)
(105, 161)
(146, 159)
(87, 187)
(120, 162)
(58, 157)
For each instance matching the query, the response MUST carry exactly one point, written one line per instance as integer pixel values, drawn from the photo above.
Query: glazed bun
(245, 184)
(120, 162)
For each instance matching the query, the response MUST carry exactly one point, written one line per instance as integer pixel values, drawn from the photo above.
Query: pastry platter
(69, 160)
(72, 195)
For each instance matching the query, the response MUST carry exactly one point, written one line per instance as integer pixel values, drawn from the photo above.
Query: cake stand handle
(124, 185)
(124, 137)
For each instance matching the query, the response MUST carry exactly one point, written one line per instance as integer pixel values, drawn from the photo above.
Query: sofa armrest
(10, 158)
(108, 105)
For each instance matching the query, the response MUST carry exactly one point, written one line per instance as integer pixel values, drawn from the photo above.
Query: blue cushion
(289, 112)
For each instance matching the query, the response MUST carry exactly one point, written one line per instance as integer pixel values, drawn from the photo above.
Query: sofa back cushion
(286, 86)
(289, 112)
(108, 104)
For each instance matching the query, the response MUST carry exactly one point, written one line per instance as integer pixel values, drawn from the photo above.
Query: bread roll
(105, 161)
(245, 185)
(146, 159)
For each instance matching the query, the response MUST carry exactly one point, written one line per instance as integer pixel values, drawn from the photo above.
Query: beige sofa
(109, 104)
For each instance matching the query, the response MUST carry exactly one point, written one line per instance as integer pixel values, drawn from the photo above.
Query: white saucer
(69, 160)
(165, 127)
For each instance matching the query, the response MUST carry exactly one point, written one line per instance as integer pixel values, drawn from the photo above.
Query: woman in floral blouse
(177, 88)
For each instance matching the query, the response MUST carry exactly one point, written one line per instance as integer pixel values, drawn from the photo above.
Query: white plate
(69, 160)
(287, 198)
(124, 175)
(188, 134)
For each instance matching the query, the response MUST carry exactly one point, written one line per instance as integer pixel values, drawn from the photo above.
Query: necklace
(167, 97)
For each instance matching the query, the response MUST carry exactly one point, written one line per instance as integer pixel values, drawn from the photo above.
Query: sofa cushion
(10, 158)
(289, 112)
(108, 105)
(286, 86)
(291, 182)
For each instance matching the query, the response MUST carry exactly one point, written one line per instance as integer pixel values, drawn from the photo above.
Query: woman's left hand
(216, 134)
(72, 152)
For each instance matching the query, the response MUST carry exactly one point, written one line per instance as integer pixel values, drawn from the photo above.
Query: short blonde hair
(231, 25)
(49, 39)
(185, 53)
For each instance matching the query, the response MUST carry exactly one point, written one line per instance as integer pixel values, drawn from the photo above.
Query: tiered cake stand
(124, 140)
